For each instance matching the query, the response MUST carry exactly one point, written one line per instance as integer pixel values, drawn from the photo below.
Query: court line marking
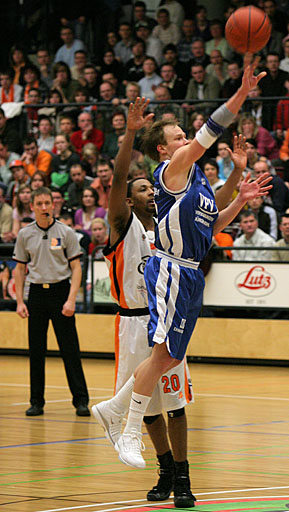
(145, 503)
(11, 384)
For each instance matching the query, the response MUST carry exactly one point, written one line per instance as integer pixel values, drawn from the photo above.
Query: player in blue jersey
(187, 219)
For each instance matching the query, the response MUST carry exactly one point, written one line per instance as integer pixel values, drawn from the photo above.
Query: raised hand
(135, 118)
(257, 188)
(249, 80)
(239, 154)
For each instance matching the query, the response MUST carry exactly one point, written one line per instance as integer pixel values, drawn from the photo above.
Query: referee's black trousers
(45, 304)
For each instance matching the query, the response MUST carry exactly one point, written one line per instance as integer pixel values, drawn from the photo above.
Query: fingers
(260, 76)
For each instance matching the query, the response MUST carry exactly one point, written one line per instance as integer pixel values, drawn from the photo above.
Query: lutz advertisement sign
(247, 284)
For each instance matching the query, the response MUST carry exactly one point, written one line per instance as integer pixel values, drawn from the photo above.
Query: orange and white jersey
(126, 260)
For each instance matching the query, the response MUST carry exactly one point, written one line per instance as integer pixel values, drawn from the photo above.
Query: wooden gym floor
(238, 443)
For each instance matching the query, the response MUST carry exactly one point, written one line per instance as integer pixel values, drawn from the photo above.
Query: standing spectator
(102, 183)
(63, 82)
(22, 208)
(79, 182)
(279, 193)
(6, 157)
(218, 67)
(185, 44)
(45, 138)
(272, 85)
(150, 80)
(91, 82)
(153, 45)
(202, 23)
(8, 133)
(86, 133)
(6, 235)
(166, 31)
(9, 91)
(284, 241)
(54, 277)
(77, 70)
(33, 159)
(252, 237)
(203, 87)
(266, 215)
(123, 48)
(267, 146)
(44, 66)
(198, 55)
(89, 210)
(218, 41)
(66, 52)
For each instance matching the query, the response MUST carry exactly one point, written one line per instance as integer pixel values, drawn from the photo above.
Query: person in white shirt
(252, 237)
(166, 31)
(151, 80)
(284, 63)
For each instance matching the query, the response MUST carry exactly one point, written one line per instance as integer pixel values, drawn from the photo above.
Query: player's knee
(149, 420)
(177, 413)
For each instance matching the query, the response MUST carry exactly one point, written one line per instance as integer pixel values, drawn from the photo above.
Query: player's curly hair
(154, 136)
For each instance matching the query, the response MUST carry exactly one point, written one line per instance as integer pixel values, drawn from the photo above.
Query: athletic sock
(120, 402)
(137, 408)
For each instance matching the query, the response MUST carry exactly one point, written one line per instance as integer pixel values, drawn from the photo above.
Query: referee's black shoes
(35, 410)
(82, 410)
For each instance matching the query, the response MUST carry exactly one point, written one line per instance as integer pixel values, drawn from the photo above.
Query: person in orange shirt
(34, 160)
(103, 181)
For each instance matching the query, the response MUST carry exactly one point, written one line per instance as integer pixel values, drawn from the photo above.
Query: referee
(51, 252)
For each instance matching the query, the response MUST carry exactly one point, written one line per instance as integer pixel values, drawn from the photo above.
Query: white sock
(120, 401)
(137, 408)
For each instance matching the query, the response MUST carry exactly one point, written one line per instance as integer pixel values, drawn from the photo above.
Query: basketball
(248, 29)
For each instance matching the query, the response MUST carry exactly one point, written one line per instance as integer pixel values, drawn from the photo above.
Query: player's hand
(68, 308)
(239, 154)
(22, 310)
(256, 188)
(135, 118)
(249, 80)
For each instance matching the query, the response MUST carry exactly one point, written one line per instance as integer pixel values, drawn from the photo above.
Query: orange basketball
(248, 29)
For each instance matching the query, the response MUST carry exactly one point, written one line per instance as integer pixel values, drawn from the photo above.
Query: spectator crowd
(64, 105)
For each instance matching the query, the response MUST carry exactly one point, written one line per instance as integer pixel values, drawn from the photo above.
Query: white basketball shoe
(109, 420)
(129, 447)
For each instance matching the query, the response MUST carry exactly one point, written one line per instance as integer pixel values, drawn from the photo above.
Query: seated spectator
(175, 10)
(99, 238)
(66, 124)
(8, 133)
(133, 70)
(9, 91)
(6, 235)
(279, 193)
(22, 208)
(211, 171)
(123, 48)
(77, 70)
(266, 215)
(110, 64)
(203, 87)
(284, 150)
(274, 45)
(118, 122)
(266, 145)
(218, 67)
(106, 92)
(132, 91)
(198, 54)
(153, 44)
(31, 80)
(162, 93)
(33, 159)
(19, 177)
(225, 163)
(196, 121)
(255, 107)
(111, 39)
(91, 82)
(182, 70)
(272, 85)
(63, 82)
(283, 242)
(66, 52)
(252, 237)
(136, 156)
(252, 154)
(150, 80)
(234, 80)
(138, 170)
(50, 108)
(218, 41)
(176, 86)
(89, 158)
(103, 182)
(44, 66)
(87, 133)
(278, 18)
(166, 31)
(39, 179)
(284, 63)
(45, 134)
(118, 87)
(61, 162)
(185, 44)
(89, 210)
(18, 60)
(82, 237)
(34, 99)
(140, 15)
(202, 23)
(79, 182)
(282, 114)
(6, 158)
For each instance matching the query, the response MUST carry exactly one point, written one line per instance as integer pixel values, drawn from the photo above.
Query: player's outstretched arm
(248, 190)
(118, 210)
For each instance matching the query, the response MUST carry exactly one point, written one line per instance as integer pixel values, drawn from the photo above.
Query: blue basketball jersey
(186, 217)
